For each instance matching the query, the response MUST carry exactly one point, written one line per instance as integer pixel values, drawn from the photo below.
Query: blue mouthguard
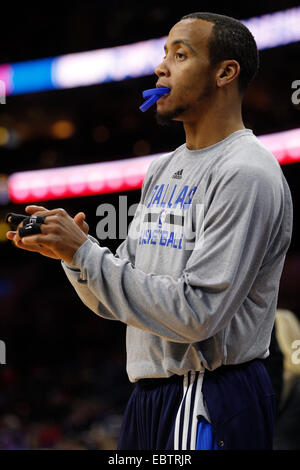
(153, 95)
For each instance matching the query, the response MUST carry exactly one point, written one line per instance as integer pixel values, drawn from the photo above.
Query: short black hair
(231, 39)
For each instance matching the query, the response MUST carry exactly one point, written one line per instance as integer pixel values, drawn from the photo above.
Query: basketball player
(196, 281)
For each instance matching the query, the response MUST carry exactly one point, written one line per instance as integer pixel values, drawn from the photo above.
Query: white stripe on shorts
(185, 434)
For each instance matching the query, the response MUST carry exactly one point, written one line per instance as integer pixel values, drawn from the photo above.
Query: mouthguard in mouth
(153, 95)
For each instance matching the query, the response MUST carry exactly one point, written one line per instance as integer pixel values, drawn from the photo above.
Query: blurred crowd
(64, 384)
(72, 411)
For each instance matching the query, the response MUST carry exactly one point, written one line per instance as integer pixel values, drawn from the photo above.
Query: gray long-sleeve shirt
(196, 280)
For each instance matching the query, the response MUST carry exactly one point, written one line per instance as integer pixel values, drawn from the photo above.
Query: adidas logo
(178, 174)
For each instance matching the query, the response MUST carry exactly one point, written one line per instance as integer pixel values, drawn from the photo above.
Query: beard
(169, 117)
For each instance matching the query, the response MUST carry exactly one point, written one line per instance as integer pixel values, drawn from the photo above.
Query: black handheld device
(31, 224)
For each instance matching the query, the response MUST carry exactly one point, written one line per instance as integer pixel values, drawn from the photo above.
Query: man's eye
(178, 55)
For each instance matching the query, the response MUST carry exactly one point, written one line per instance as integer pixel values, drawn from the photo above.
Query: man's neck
(212, 127)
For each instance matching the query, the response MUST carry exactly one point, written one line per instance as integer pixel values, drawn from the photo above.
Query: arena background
(63, 384)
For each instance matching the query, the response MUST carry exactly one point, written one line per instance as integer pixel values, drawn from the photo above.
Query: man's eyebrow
(181, 41)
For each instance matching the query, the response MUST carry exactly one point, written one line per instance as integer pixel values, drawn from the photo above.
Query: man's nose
(162, 70)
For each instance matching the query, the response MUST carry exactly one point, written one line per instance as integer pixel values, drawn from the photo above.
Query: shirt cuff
(75, 264)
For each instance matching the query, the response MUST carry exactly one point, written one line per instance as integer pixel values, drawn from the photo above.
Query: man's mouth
(164, 97)
(161, 85)
(166, 94)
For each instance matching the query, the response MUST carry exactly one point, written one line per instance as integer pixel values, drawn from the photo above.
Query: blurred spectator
(287, 435)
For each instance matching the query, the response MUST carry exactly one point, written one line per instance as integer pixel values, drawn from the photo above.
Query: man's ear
(227, 71)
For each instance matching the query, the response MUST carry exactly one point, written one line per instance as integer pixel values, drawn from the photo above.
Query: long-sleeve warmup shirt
(196, 280)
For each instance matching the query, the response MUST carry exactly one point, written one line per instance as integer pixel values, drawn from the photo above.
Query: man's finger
(10, 235)
(37, 239)
(32, 209)
(15, 219)
(85, 228)
(46, 212)
(35, 248)
(49, 219)
(42, 250)
(30, 229)
(79, 220)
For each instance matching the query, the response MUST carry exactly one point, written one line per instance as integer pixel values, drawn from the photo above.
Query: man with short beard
(198, 286)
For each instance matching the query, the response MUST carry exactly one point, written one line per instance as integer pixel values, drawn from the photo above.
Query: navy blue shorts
(163, 414)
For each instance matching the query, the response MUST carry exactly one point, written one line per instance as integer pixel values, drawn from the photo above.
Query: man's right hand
(79, 219)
